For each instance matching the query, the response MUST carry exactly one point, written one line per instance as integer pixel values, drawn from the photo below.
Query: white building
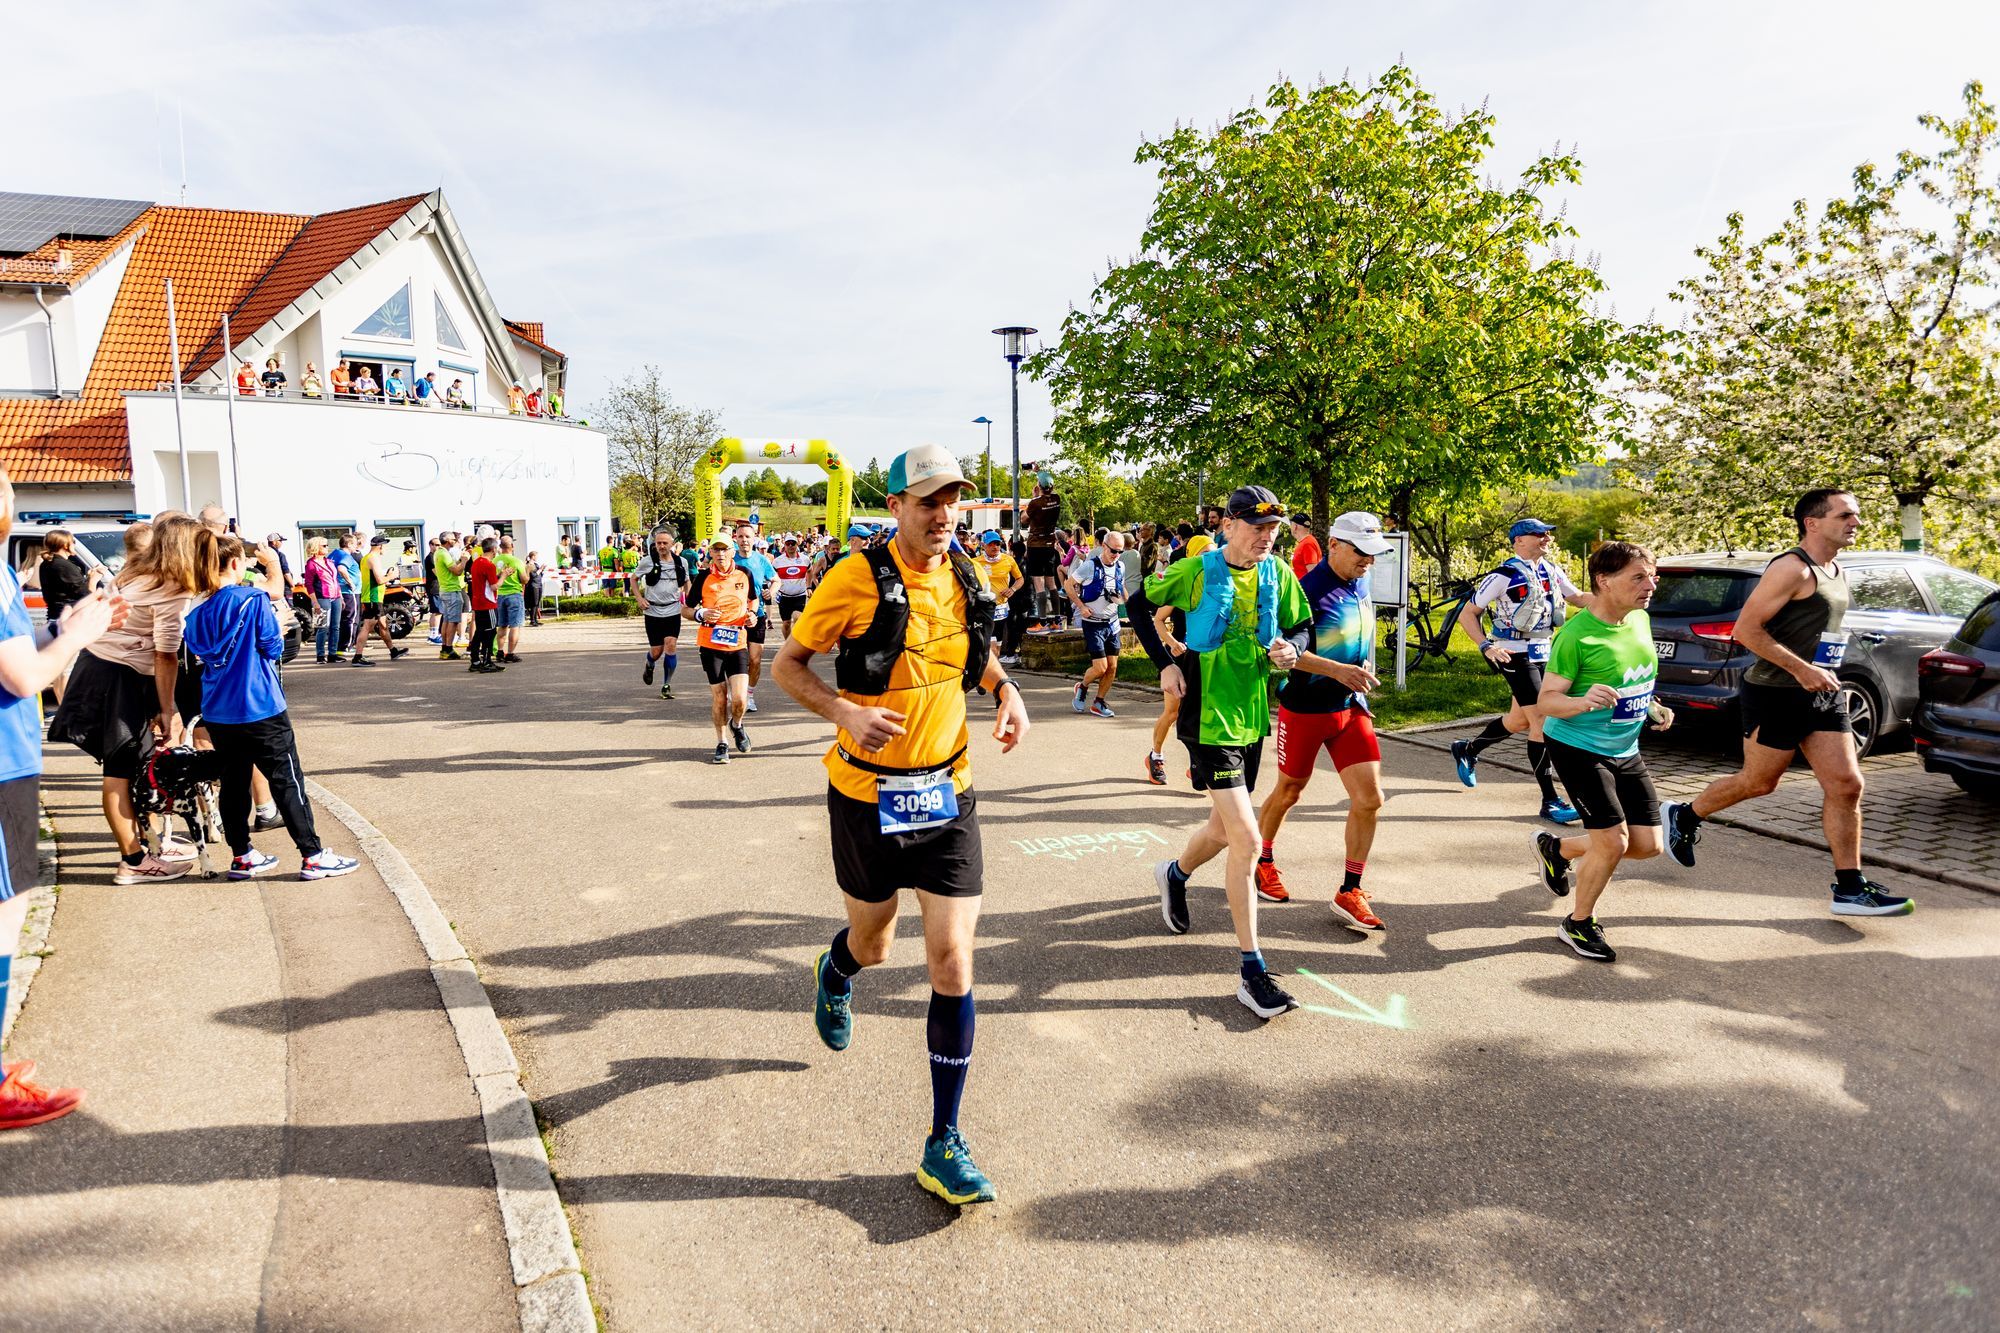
(89, 423)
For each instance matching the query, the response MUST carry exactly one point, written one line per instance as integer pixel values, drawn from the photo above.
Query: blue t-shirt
(20, 719)
(761, 571)
(1343, 631)
(348, 568)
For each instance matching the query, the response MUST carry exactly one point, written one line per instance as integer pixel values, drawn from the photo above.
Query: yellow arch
(776, 453)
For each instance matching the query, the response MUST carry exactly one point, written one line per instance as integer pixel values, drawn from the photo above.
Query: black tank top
(1800, 622)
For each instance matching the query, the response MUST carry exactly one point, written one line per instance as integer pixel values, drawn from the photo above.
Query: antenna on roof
(180, 125)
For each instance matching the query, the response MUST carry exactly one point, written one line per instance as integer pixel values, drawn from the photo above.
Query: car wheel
(1974, 784)
(1864, 715)
(399, 620)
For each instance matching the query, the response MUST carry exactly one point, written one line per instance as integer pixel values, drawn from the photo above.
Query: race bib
(918, 801)
(1633, 701)
(1538, 651)
(1831, 650)
(726, 636)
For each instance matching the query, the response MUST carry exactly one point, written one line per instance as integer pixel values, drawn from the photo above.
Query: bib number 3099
(906, 804)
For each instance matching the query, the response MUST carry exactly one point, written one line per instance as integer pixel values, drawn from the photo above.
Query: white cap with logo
(926, 469)
(1362, 531)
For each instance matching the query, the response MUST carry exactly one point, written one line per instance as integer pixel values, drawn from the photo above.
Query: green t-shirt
(1233, 692)
(1589, 652)
(447, 581)
(607, 559)
(513, 572)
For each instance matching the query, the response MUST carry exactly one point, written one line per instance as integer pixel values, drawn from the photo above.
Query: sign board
(1389, 581)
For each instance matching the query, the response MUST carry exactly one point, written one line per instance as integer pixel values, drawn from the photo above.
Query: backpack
(1095, 588)
(863, 663)
(1529, 613)
(1209, 620)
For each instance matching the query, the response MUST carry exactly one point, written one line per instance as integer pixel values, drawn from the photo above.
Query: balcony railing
(377, 401)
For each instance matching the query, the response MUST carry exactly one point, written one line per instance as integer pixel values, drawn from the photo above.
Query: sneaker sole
(1574, 817)
(129, 881)
(329, 874)
(1166, 912)
(234, 873)
(1354, 921)
(1243, 998)
(1857, 909)
(936, 1186)
(1584, 953)
(1466, 776)
(1666, 835)
(1265, 897)
(42, 1119)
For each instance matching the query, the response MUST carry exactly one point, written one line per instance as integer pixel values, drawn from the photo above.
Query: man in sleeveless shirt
(1792, 701)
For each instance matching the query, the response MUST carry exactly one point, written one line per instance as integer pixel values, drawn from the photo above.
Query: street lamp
(1014, 339)
(988, 423)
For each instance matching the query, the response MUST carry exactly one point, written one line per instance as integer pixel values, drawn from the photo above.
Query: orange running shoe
(1269, 887)
(10, 1068)
(1351, 906)
(23, 1103)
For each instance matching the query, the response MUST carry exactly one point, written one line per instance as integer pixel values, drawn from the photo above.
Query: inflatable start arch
(777, 453)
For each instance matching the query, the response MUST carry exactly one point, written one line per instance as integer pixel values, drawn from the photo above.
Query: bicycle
(1430, 635)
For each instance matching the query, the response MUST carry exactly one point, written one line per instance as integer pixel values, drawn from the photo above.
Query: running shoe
(646, 676)
(1270, 886)
(251, 864)
(395, 653)
(1173, 897)
(327, 864)
(177, 849)
(1156, 770)
(721, 755)
(1010, 659)
(1587, 938)
(1076, 703)
(23, 1103)
(16, 1068)
(151, 870)
(1682, 833)
(1559, 812)
(666, 691)
(1099, 708)
(750, 705)
(1467, 761)
(261, 821)
(833, 1014)
(947, 1171)
(362, 661)
(740, 736)
(332, 658)
(1351, 906)
(1872, 900)
(1555, 870)
(448, 655)
(510, 657)
(1264, 997)
(435, 638)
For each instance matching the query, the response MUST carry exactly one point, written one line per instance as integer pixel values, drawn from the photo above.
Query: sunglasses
(1263, 509)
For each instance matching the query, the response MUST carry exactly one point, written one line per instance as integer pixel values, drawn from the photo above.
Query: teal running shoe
(833, 1014)
(947, 1171)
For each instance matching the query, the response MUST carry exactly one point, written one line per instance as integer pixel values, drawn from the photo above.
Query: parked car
(1902, 605)
(1958, 704)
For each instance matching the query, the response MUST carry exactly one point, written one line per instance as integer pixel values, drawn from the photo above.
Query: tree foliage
(1329, 298)
(654, 443)
(1854, 346)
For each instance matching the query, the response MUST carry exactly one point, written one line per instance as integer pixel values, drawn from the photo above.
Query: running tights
(1538, 759)
(1496, 731)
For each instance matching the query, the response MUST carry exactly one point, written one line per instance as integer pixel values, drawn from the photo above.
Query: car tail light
(1941, 663)
(1716, 631)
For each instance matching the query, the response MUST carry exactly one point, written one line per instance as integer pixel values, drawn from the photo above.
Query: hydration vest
(1209, 620)
(862, 664)
(1528, 611)
(1095, 588)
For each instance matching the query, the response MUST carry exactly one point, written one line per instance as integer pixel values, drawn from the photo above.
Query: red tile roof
(85, 256)
(250, 265)
(530, 331)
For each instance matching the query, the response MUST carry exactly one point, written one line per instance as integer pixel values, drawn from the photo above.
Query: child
(235, 633)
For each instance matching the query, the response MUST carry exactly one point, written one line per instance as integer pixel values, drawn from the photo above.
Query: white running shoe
(251, 864)
(177, 849)
(327, 865)
(151, 870)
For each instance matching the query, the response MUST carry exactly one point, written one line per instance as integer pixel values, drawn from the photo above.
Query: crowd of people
(387, 382)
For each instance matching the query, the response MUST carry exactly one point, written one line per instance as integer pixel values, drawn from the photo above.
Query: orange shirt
(923, 684)
(726, 597)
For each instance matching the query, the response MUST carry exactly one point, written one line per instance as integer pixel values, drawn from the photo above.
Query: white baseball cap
(1361, 530)
(923, 470)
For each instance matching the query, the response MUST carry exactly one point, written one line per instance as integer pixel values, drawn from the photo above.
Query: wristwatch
(1004, 680)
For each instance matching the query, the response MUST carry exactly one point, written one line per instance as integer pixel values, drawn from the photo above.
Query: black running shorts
(790, 604)
(1041, 563)
(662, 629)
(1524, 678)
(719, 666)
(870, 865)
(1607, 792)
(756, 634)
(1219, 767)
(1780, 717)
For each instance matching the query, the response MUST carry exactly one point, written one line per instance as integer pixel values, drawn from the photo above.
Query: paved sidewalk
(232, 1167)
(1911, 820)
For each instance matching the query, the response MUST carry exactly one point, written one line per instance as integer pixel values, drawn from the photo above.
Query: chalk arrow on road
(1394, 1014)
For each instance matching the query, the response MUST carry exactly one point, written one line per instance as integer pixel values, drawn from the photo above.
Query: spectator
(64, 580)
(517, 398)
(1307, 553)
(365, 387)
(555, 402)
(511, 609)
(482, 580)
(323, 585)
(273, 379)
(276, 541)
(431, 586)
(309, 384)
(397, 391)
(343, 381)
(455, 395)
(246, 380)
(575, 552)
(348, 566)
(534, 588)
(534, 402)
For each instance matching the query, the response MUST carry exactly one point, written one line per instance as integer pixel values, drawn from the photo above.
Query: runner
(1003, 579)
(449, 564)
(512, 610)
(1095, 583)
(721, 597)
(794, 574)
(763, 591)
(1044, 516)
(1526, 596)
(1169, 624)
(1793, 702)
(912, 627)
(1245, 614)
(376, 571)
(482, 579)
(659, 577)
(1327, 709)
(1597, 695)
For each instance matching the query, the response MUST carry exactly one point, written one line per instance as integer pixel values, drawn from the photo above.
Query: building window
(390, 320)
(333, 532)
(447, 332)
(590, 543)
(407, 566)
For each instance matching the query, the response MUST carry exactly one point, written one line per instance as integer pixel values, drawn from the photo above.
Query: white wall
(24, 342)
(80, 316)
(323, 463)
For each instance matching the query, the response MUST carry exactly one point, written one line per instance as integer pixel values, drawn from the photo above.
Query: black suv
(1902, 606)
(1958, 709)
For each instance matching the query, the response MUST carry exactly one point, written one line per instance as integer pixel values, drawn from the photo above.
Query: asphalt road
(1761, 1116)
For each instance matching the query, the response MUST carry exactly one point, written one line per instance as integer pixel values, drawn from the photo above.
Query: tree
(816, 493)
(732, 491)
(790, 490)
(1330, 299)
(1854, 346)
(870, 484)
(653, 444)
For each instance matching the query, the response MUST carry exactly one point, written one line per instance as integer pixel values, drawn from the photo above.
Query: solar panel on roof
(30, 221)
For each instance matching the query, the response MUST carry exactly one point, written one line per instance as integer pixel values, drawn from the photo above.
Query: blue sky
(810, 213)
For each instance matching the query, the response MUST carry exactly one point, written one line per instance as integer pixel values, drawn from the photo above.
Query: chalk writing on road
(1073, 846)
(1391, 1015)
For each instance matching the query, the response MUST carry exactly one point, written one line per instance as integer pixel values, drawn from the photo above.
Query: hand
(1817, 679)
(1012, 723)
(1599, 697)
(1357, 678)
(1176, 647)
(85, 621)
(167, 726)
(1283, 654)
(1172, 683)
(1497, 655)
(1660, 715)
(871, 727)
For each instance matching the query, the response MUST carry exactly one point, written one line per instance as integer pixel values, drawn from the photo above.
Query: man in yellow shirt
(1003, 577)
(912, 625)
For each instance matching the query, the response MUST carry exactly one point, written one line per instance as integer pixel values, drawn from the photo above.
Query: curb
(548, 1275)
(1907, 865)
(35, 930)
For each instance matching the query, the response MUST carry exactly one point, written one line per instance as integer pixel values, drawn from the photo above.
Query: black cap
(1303, 519)
(1254, 504)
(378, 540)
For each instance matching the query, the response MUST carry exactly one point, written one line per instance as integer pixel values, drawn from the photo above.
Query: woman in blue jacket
(235, 634)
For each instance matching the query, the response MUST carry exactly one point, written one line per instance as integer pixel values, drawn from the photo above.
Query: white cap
(923, 470)
(1361, 530)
